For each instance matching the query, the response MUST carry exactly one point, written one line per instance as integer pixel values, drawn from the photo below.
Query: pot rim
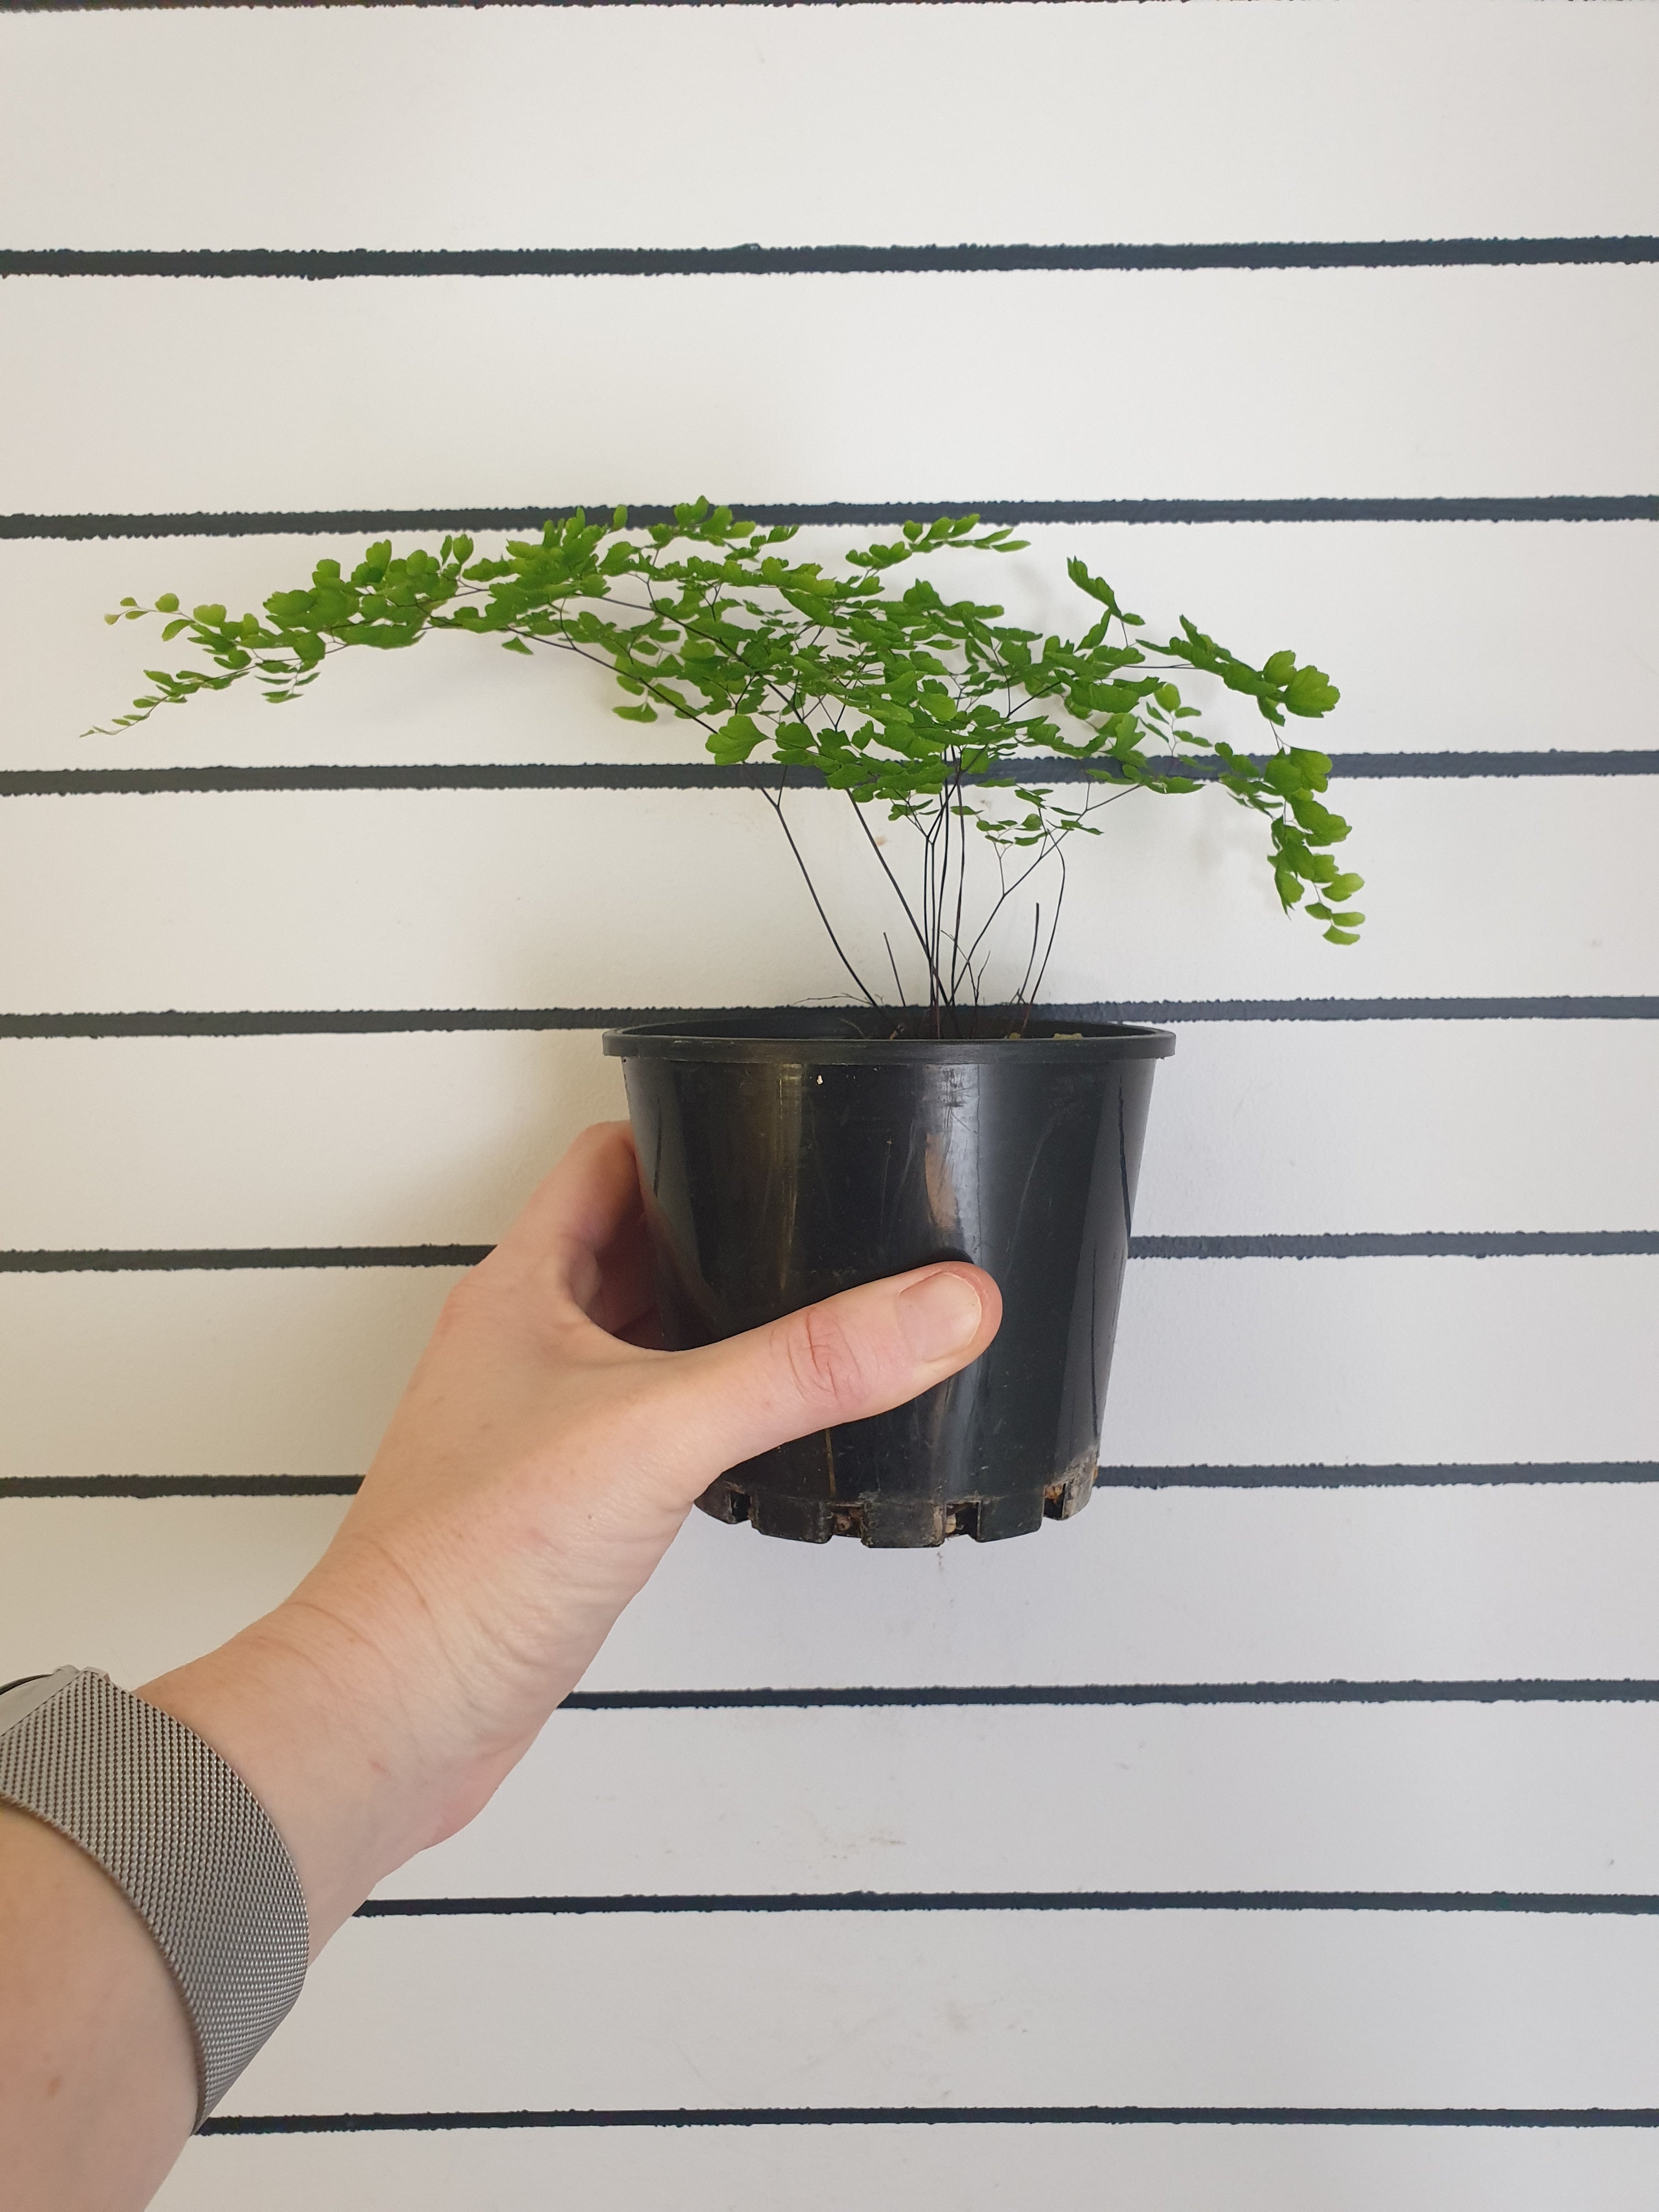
(819, 1035)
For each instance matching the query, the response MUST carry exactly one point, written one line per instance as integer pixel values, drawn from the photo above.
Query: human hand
(543, 1458)
(541, 1461)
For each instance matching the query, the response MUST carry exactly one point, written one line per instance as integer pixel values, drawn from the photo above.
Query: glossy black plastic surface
(781, 1168)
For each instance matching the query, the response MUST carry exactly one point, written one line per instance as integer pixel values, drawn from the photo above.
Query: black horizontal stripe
(316, 263)
(185, 1260)
(134, 7)
(1595, 1903)
(1438, 1475)
(916, 1697)
(1427, 1244)
(938, 2116)
(708, 776)
(179, 1485)
(1552, 506)
(131, 7)
(382, 1021)
(860, 1698)
(1445, 1475)
(1439, 1244)
(1556, 762)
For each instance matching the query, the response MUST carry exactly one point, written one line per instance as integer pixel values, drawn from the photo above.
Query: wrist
(306, 1709)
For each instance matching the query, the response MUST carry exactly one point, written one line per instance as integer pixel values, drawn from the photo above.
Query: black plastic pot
(786, 1158)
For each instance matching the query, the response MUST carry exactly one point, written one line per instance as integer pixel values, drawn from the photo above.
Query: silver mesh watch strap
(182, 1835)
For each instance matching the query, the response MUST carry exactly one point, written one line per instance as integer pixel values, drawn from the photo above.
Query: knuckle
(458, 1308)
(825, 1364)
(467, 1303)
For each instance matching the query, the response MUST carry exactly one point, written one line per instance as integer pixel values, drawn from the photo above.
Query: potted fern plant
(940, 1113)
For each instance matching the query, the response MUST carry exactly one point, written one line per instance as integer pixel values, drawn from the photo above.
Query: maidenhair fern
(938, 711)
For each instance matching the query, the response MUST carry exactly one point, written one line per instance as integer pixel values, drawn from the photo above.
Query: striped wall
(1281, 1836)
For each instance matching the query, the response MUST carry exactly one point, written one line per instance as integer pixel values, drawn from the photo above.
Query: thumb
(861, 1353)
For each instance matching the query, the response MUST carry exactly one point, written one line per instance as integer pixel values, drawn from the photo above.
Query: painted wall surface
(1283, 1836)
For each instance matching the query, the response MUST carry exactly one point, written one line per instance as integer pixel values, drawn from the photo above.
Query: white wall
(1328, 1739)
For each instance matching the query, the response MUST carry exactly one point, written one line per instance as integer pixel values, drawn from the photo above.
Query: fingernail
(939, 1316)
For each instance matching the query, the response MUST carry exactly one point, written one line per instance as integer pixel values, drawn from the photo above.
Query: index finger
(576, 1212)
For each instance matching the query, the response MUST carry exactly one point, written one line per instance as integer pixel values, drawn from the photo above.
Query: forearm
(341, 1714)
(97, 2065)
(97, 2068)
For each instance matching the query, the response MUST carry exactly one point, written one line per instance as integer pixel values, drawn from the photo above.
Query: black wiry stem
(897, 889)
(897, 984)
(1048, 951)
(776, 806)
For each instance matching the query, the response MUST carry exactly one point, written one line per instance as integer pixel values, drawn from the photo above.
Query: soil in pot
(789, 1157)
